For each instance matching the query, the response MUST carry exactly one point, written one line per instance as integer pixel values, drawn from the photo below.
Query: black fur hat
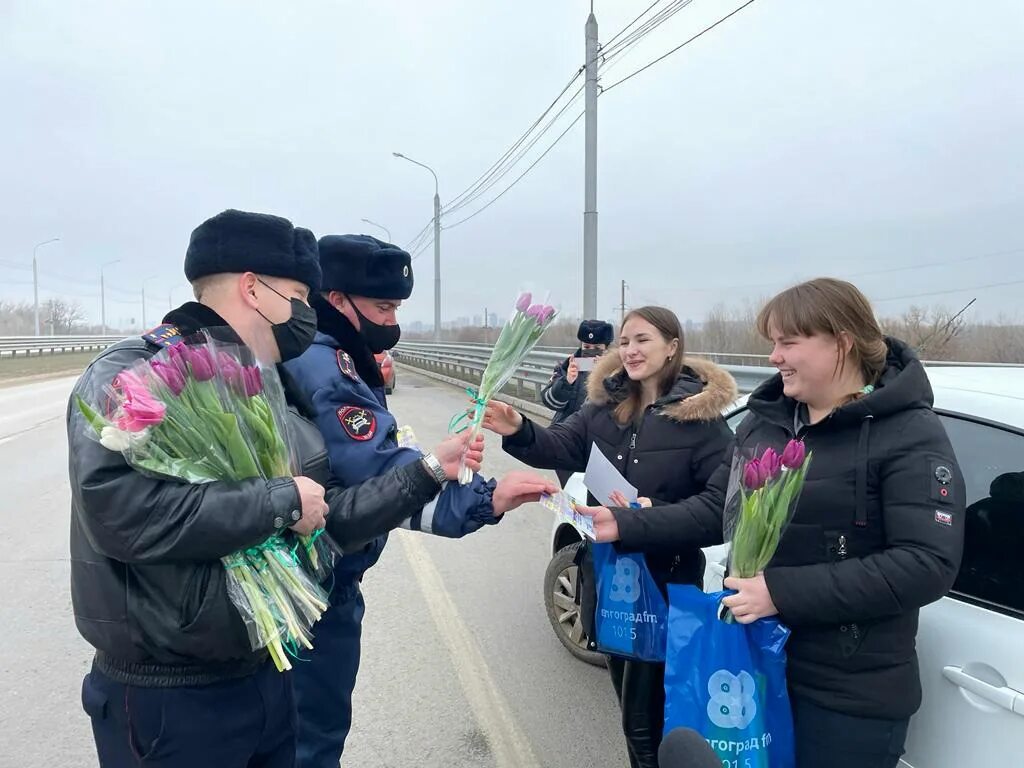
(361, 265)
(595, 332)
(238, 241)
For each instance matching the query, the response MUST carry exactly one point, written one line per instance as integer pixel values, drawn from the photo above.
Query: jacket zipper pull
(842, 552)
(632, 442)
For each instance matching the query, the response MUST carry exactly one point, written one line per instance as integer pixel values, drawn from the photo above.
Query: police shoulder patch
(346, 366)
(163, 335)
(359, 423)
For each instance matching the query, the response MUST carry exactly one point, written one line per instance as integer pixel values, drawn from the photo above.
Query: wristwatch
(435, 468)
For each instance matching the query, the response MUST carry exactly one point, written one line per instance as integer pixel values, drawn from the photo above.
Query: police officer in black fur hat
(365, 281)
(175, 681)
(567, 390)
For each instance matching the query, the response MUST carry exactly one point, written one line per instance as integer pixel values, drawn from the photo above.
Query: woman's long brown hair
(668, 326)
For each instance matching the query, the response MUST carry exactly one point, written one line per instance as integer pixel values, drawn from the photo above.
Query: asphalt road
(460, 666)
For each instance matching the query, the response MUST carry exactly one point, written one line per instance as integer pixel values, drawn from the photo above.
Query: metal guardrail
(466, 362)
(15, 346)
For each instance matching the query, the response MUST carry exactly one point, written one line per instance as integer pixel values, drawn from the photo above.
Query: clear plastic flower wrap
(202, 411)
(763, 492)
(517, 339)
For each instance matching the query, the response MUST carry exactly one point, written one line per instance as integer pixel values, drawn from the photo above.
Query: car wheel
(562, 604)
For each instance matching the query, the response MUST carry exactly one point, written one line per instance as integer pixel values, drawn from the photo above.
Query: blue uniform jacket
(361, 438)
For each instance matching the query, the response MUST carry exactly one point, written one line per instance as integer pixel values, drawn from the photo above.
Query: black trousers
(244, 723)
(640, 688)
(827, 739)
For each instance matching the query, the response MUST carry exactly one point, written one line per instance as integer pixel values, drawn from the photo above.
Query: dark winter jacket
(147, 585)
(669, 455)
(562, 397)
(330, 373)
(877, 533)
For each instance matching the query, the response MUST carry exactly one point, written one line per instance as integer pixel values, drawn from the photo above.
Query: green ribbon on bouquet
(472, 417)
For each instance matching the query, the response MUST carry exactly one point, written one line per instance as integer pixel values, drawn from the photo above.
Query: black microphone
(685, 748)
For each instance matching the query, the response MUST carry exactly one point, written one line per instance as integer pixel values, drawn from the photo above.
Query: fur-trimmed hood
(702, 391)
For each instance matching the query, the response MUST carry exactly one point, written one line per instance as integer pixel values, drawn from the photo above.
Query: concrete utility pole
(35, 278)
(437, 245)
(622, 304)
(590, 171)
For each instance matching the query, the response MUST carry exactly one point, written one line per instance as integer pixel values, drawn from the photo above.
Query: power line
(634, 21)
(461, 198)
(422, 249)
(949, 291)
(865, 273)
(678, 47)
(607, 54)
(419, 236)
(520, 177)
(519, 156)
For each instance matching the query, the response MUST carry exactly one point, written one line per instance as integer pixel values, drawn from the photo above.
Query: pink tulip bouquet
(206, 411)
(769, 486)
(517, 339)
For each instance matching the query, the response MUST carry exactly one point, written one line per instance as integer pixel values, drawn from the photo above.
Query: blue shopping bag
(728, 681)
(631, 614)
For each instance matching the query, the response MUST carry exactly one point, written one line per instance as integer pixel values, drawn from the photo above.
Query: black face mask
(377, 337)
(592, 353)
(293, 336)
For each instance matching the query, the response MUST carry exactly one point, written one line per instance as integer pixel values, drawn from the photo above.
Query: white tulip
(115, 439)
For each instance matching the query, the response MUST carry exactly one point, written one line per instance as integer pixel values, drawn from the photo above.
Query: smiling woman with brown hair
(656, 416)
(876, 535)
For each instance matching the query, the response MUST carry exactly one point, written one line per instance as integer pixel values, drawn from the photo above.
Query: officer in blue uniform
(365, 281)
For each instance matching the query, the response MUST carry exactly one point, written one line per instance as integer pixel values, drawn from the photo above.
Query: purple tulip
(752, 475)
(252, 380)
(169, 375)
(546, 314)
(771, 464)
(201, 362)
(535, 311)
(794, 454)
(177, 357)
(523, 303)
(231, 372)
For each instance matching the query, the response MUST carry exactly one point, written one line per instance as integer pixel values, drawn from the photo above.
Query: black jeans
(827, 739)
(640, 687)
(243, 723)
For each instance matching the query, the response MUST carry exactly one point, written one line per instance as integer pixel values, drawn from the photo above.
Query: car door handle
(1002, 696)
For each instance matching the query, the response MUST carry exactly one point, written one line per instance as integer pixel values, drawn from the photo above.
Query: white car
(971, 642)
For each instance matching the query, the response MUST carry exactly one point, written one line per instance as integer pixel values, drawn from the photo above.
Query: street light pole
(35, 277)
(151, 277)
(170, 293)
(437, 244)
(103, 296)
(380, 226)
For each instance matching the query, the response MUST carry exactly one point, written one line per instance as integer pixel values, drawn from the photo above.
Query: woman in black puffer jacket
(657, 417)
(877, 532)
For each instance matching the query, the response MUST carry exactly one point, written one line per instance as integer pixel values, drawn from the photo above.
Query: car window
(992, 463)
(735, 418)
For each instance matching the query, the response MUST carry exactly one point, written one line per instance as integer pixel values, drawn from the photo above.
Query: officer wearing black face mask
(175, 680)
(364, 282)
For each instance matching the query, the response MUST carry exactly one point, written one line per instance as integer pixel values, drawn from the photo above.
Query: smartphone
(585, 363)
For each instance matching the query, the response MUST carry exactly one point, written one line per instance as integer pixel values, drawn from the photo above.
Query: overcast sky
(797, 138)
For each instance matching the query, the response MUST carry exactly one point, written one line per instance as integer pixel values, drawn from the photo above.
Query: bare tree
(62, 316)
